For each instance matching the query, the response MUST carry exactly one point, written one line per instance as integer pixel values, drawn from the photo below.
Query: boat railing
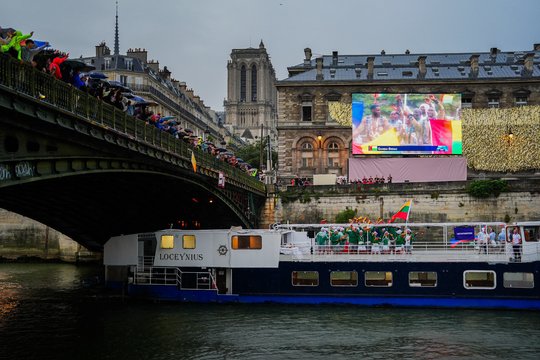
(195, 280)
(417, 251)
(153, 275)
(145, 262)
(159, 275)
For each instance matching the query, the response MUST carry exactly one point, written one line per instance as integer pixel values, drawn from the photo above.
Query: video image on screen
(406, 124)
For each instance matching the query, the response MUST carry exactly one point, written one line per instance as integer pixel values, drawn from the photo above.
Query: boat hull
(274, 285)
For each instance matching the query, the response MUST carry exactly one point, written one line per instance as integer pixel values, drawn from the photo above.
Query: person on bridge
(54, 67)
(14, 45)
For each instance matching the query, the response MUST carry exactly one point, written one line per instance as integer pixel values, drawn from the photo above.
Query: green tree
(344, 216)
(252, 154)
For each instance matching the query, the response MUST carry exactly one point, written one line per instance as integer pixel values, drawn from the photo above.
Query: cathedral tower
(251, 94)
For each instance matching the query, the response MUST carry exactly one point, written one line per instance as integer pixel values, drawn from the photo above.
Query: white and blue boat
(286, 265)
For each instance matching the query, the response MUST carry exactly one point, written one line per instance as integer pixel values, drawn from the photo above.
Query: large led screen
(406, 124)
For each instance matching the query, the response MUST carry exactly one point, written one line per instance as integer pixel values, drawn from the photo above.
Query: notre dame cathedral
(250, 107)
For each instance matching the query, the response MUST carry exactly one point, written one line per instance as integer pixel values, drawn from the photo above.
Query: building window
(253, 83)
(520, 100)
(107, 63)
(422, 279)
(129, 64)
(344, 278)
(123, 80)
(518, 280)
(378, 278)
(307, 155)
(188, 242)
(306, 111)
(333, 155)
(493, 102)
(243, 83)
(466, 103)
(167, 242)
(305, 278)
(479, 279)
(246, 242)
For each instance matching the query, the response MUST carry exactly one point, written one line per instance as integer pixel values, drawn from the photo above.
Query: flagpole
(408, 212)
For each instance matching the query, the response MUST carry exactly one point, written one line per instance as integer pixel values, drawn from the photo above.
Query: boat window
(246, 242)
(531, 233)
(189, 241)
(378, 278)
(518, 280)
(167, 241)
(305, 278)
(478, 279)
(422, 279)
(344, 278)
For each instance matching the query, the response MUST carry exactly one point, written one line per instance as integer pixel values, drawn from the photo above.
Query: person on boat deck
(343, 240)
(376, 240)
(400, 241)
(502, 236)
(361, 241)
(492, 236)
(335, 237)
(353, 235)
(322, 240)
(408, 241)
(482, 240)
(516, 244)
(386, 242)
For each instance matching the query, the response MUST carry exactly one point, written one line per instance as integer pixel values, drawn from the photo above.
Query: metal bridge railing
(25, 79)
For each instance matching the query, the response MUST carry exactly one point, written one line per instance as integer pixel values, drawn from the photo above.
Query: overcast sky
(194, 38)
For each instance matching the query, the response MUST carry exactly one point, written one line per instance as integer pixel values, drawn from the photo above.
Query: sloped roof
(450, 66)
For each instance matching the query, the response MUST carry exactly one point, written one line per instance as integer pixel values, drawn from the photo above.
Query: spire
(261, 45)
(116, 45)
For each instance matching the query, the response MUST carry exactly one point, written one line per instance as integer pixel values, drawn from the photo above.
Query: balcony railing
(42, 87)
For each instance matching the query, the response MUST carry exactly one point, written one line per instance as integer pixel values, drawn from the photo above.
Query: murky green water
(53, 311)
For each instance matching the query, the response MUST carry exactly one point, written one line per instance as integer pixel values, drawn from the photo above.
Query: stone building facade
(251, 93)
(312, 142)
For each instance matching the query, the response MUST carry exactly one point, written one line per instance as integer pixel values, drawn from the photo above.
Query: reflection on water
(47, 312)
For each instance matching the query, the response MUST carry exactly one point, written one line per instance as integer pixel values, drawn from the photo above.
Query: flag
(403, 213)
(193, 161)
(388, 138)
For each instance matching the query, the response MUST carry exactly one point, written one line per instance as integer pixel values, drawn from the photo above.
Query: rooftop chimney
(493, 52)
(102, 50)
(334, 58)
(474, 65)
(536, 47)
(528, 64)
(182, 85)
(370, 61)
(422, 66)
(139, 53)
(154, 65)
(307, 59)
(165, 73)
(319, 62)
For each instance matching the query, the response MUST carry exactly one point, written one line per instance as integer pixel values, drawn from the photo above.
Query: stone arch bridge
(90, 171)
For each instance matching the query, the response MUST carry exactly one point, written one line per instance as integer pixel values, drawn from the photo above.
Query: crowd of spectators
(81, 76)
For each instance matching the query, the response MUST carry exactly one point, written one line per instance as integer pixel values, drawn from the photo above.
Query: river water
(59, 311)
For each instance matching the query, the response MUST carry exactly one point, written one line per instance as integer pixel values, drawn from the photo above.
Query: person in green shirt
(321, 239)
(335, 237)
(354, 237)
(376, 241)
(400, 241)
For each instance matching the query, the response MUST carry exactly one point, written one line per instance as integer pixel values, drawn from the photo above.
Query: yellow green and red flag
(403, 213)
